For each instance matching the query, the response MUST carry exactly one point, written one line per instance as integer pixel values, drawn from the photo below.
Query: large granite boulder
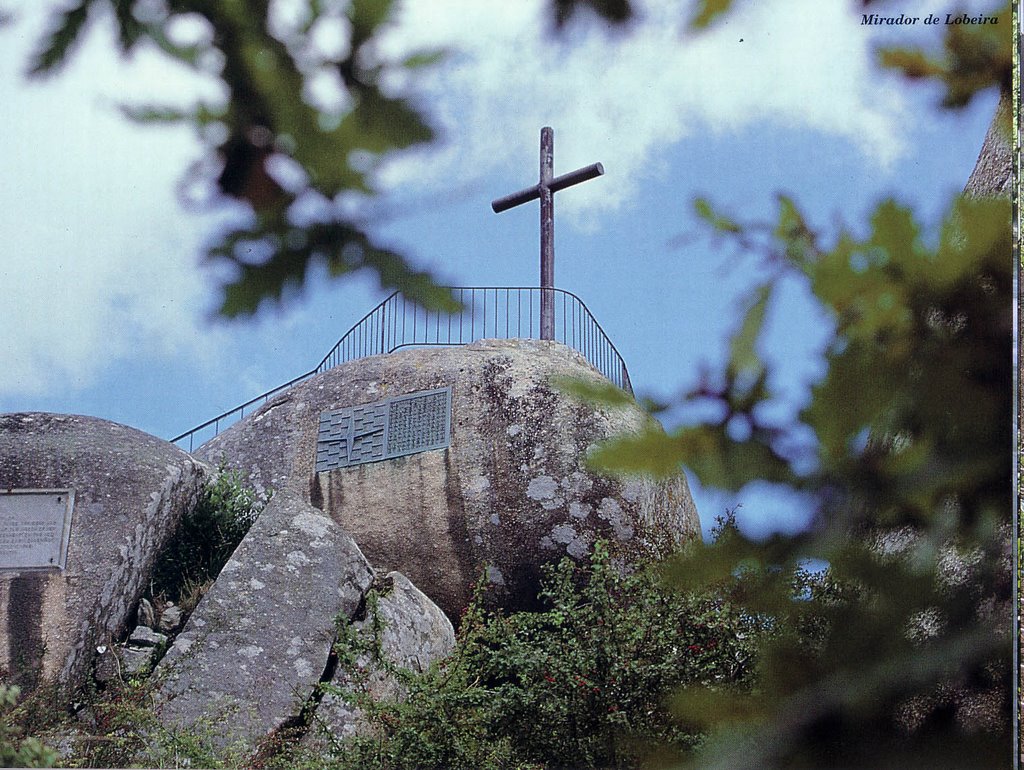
(128, 490)
(510, 492)
(256, 646)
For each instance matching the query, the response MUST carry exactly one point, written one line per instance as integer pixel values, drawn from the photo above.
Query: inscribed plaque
(403, 425)
(35, 526)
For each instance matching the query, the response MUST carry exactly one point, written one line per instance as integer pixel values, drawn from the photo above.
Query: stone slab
(400, 426)
(257, 644)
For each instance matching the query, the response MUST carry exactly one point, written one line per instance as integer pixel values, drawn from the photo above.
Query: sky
(108, 308)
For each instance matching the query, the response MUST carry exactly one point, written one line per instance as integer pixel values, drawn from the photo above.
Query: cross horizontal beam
(545, 190)
(558, 183)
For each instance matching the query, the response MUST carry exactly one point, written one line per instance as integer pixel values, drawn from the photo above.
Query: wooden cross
(545, 189)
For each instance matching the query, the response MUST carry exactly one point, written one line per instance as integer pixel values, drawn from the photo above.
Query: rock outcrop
(510, 493)
(993, 171)
(130, 490)
(256, 646)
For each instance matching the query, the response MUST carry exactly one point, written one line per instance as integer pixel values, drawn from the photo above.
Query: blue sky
(107, 310)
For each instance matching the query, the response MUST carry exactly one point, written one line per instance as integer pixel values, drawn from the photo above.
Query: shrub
(205, 539)
(583, 683)
(16, 750)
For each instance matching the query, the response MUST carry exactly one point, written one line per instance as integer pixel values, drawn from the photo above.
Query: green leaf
(613, 11)
(593, 392)
(187, 54)
(366, 16)
(912, 63)
(292, 250)
(62, 38)
(129, 30)
(723, 224)
(707, 12)
(895, 232)
(744, 360)
(650, 452)
(706, 707)
(422, 59)
(199, 115)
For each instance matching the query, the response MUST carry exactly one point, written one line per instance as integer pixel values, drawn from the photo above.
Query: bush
(17, 750)
(205, 539)
(583, 683)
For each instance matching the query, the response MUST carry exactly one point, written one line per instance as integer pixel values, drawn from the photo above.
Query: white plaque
(35, 525)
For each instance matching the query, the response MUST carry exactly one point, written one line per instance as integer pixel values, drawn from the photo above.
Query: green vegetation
(114, 726)
(16, 749)
(204, 540)
(583, 683)
(903, 449)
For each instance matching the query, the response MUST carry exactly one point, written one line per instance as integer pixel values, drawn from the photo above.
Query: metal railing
(503, 312)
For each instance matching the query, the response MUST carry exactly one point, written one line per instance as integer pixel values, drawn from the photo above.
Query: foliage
(17, 750)
(613, 11)
(974, 58)
(119, 725)
(903, 451)
(582, 683)
(112, 727)
(205, 538)
(271, 116)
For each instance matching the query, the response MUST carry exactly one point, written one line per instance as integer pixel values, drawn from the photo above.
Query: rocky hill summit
(391, 485)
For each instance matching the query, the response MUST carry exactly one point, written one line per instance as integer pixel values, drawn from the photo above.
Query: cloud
(624, 99)
(99, 260)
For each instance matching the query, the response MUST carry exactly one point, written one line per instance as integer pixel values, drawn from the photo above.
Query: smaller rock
(145, 616)
(87, 717)
(136, 660)
(106, 664)
(170, 618)
(143, 636)
(410, 632)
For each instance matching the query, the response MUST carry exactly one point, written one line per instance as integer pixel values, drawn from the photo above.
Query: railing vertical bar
(577, 325)
(564, 337)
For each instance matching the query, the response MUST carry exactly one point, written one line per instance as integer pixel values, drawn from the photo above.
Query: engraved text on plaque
(35, 525)
(403, 425)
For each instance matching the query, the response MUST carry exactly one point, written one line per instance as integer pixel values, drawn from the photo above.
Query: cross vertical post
(545, 190)
(547, 234)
